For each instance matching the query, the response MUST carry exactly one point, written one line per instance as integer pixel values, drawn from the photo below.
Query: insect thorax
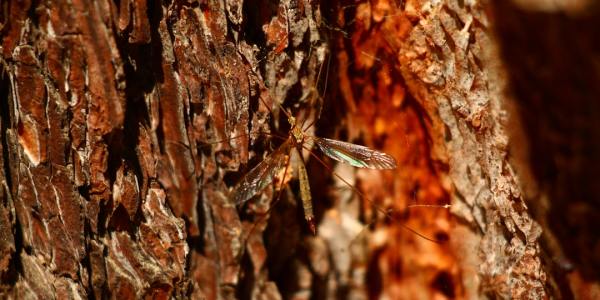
(296, 131)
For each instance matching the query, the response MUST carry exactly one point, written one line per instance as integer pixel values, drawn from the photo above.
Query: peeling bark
(126, 124)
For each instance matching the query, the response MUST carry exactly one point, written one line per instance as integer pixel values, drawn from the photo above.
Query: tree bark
(125, 126)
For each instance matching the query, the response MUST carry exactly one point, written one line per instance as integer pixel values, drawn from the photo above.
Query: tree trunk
(126, 125)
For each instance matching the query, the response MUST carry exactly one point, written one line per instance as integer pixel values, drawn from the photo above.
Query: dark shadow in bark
(14, 265)
(554, 74)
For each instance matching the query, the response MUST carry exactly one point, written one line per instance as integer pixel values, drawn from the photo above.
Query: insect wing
(261, 176)
(355, 155)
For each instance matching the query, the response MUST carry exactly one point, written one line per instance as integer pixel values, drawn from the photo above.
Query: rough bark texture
(444, 55)
(450, 65)
(125, 125)
(551, 52)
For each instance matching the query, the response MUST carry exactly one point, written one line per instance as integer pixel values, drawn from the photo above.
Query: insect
(263, 174)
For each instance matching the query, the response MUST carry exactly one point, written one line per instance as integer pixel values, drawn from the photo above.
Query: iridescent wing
(262, 175)
(355, 155)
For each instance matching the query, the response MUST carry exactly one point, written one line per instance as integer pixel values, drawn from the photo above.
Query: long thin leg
(273, 135)
(386, 213)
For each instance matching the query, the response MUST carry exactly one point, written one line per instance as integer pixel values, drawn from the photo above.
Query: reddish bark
(125, 126)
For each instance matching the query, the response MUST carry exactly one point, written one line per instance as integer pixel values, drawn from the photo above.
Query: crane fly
(263, 174)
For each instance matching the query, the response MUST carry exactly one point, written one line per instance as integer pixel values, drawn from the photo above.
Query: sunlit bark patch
(30, 139)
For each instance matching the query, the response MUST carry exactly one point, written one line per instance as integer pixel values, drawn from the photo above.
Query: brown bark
(548, 51)
(125, 126)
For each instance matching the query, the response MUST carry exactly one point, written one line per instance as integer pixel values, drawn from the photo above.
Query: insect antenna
(320, 108)
(264, 102)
